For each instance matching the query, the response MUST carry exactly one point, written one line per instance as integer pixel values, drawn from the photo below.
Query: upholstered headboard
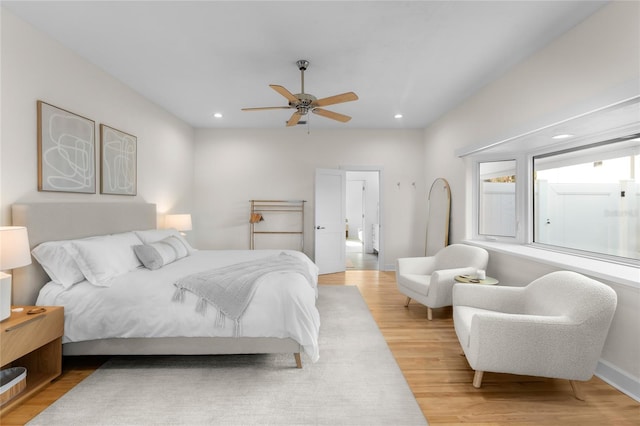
(64, 221)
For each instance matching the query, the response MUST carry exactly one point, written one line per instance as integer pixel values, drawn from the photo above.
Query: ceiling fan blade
(332, 115)
(264, 108)
(284, 92)
(337, 99)
(294, 119)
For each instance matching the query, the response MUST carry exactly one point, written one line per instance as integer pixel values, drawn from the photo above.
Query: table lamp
(181, 222)
(14, 253)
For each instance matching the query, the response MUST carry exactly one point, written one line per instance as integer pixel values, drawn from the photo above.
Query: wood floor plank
(429, 356)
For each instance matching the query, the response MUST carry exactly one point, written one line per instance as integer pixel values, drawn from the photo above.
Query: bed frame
(63, 221)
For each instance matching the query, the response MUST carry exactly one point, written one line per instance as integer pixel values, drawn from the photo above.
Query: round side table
(470, 279)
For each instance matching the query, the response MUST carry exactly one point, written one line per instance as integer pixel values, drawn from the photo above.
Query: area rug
(355, 382)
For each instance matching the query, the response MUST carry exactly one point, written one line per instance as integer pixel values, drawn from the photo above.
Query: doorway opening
(362, 224)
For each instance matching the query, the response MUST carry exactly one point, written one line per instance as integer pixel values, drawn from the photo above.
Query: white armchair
(554, 327)
(430, 280)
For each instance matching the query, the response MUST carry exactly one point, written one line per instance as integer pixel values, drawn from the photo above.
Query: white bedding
(138, 304)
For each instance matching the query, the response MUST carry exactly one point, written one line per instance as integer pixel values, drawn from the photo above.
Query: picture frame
(118, 163)
(66, 151)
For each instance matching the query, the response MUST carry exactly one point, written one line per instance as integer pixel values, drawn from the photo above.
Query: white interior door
(330, 215)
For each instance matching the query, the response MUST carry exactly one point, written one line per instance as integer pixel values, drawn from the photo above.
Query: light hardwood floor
(430, 358)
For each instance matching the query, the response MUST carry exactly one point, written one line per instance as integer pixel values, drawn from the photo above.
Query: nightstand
(34, 342)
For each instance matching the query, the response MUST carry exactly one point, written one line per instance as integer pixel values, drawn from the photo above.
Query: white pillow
(155, 255)
(58, 263)
(154, 235)
(103, 258)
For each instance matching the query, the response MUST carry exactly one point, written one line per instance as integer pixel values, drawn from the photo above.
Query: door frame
(380, 170)
(361, 201)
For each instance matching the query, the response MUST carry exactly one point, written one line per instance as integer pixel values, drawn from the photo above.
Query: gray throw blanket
(231, 288)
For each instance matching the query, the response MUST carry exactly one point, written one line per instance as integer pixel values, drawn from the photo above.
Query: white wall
(35, 67)
(597, 56)
(588, 63)
(235, 166)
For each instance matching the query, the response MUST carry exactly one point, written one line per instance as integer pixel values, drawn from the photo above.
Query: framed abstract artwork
(66, 151)
(118, 163)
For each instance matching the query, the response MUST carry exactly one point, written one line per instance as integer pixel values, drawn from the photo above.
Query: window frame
(606, 138)
(520, 233)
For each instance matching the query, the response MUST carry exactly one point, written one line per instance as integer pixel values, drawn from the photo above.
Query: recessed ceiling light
(397, 116)
(217, 115)
(562, 136)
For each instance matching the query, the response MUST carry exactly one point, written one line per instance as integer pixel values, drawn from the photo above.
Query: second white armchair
(429, 280)
(555, 327)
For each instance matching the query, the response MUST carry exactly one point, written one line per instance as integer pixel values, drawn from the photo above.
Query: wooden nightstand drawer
(23, 333)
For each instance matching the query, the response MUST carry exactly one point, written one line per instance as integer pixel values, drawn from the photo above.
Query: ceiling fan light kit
(304, 102)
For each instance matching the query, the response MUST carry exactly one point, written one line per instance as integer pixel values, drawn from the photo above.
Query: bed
(138, 313)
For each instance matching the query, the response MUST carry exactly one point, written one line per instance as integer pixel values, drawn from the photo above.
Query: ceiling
(197, 58)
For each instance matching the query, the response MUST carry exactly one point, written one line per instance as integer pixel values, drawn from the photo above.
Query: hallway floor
(356, 259)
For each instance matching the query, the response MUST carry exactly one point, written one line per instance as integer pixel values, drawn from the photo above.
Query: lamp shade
(181, 222)
(14, 247)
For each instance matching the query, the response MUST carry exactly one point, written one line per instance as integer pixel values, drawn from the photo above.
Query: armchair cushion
(417, 283)
(492, 298)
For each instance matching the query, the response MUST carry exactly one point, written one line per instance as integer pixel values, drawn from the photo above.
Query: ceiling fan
(305, 102)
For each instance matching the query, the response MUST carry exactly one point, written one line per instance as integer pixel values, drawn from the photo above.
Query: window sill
(608, 271)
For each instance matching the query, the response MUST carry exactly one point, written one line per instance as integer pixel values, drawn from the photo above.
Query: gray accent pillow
(154, 235)
(156, 255)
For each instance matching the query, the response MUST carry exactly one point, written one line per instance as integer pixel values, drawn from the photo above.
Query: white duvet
(138, 304)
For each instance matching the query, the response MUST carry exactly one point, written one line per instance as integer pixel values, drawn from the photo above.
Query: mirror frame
(438, 216)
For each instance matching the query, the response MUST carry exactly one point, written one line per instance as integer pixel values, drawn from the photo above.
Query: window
(497, 198)
(571, 188)
(587, 199)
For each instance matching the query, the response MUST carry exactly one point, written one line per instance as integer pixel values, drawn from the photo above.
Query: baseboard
(618, 379)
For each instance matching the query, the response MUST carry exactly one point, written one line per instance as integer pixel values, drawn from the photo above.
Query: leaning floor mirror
(439, 205)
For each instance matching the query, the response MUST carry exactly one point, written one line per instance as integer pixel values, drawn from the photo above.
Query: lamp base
(5, 296)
